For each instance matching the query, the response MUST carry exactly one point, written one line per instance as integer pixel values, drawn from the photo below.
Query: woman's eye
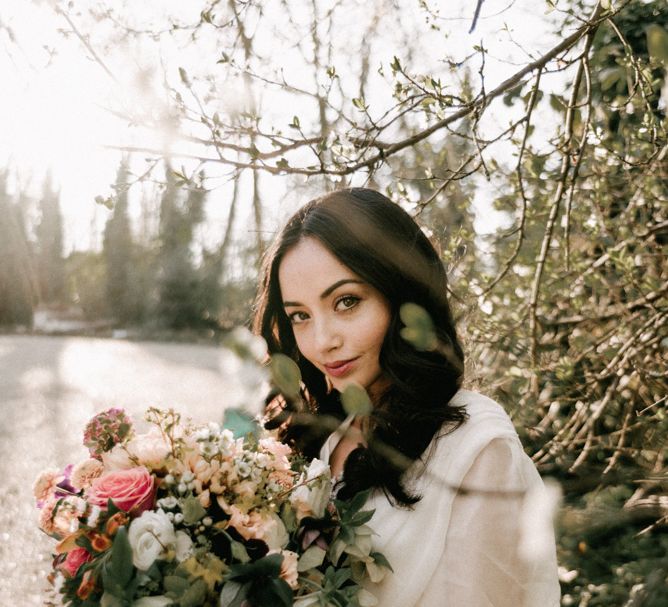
(347, 302)
(297, 317)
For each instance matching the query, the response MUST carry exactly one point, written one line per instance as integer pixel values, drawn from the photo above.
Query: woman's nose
(327, 337)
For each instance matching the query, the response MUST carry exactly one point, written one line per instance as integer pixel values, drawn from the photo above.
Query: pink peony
(131, 490)
(75, 558)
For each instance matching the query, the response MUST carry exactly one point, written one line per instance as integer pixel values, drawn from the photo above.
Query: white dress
(457, 549)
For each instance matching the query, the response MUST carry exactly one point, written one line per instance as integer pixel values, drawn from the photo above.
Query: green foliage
(118, 250)
(50, 260)
(285, 375)
(355, 400)
(18, 286)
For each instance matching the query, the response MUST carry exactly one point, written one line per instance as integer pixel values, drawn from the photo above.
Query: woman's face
(339, 321)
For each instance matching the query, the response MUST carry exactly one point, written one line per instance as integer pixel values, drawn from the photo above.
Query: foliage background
(562, 306)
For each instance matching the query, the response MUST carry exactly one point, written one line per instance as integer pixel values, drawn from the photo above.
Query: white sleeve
(480, 566)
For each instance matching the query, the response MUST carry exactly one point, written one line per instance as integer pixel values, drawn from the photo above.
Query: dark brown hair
(382, 244)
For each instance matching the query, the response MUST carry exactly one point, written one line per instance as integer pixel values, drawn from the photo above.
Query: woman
(448, 504)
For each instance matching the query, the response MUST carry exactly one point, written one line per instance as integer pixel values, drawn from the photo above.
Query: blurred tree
(49, 232)
(18, 285)
(118, 249)
(180, 300)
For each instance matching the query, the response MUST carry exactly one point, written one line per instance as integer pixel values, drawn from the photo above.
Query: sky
(56, 110)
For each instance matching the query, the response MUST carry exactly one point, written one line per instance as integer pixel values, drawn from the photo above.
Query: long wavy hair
(382, 244)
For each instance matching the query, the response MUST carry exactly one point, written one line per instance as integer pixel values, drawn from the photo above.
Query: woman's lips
(340, 367)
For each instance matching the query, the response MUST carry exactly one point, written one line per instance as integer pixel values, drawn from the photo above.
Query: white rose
(150, 536)
(153, 601)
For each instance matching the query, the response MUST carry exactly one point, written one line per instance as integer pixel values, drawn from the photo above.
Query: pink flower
(46, 484)
(276, 448)
(105, 430)
(85, 472)
(131, 490)
(289, 571)
(75, 558)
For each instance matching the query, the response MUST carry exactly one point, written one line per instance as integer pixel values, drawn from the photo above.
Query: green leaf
(355, 400)
(110, 600)
(192, 510)
(239, 423)
(312, 557)
(239, 552)
(233, 594)
(286, 375)
(175, 585)
(362, 518)
(610, 77)
(184, 76)
(121, 558)
(657, 42)
(195, 595)
(380, 560)
(358, 102)
(419, 330)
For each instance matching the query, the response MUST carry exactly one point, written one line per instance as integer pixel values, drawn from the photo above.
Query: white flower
(153, 601)
(168, 503)
(150, 536)
(313, 492)
(184, 546)
(93, 515)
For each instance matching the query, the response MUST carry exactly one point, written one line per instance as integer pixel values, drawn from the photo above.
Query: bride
(448, 507)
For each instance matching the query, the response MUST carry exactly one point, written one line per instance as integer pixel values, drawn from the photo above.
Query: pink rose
(75, 558)
(130, 490)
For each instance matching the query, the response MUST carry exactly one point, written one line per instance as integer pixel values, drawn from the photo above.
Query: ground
(49, 388)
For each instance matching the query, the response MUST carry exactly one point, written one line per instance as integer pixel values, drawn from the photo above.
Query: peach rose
(74, 559)
(131, 490)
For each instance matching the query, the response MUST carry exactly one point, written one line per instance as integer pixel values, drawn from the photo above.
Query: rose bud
(115, 522)
(99, 542)
(87, 586)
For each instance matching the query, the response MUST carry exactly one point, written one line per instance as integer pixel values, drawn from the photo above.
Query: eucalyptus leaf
(239, 552)
(355, 400)
(192, 510)
(312, 557)
(175, 585)
(195, 595)
(285, 374)
(233, 594)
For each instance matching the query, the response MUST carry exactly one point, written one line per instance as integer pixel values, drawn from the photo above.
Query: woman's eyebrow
(328, 291)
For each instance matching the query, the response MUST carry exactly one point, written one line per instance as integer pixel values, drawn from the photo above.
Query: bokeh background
(150, 151)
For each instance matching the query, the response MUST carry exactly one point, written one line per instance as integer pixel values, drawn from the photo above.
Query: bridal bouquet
(188, 515)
